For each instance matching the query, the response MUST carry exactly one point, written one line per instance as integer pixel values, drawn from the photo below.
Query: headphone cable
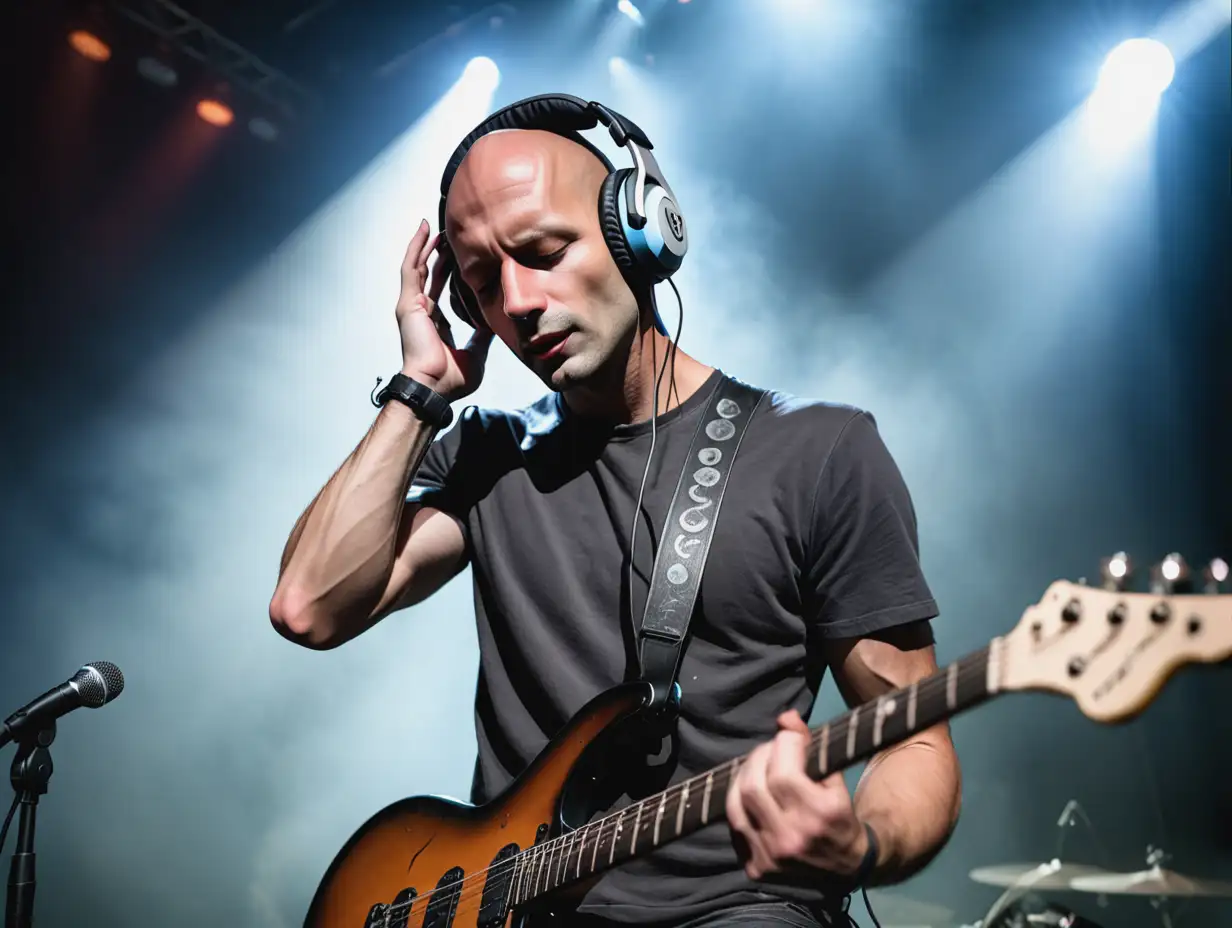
(670, 355)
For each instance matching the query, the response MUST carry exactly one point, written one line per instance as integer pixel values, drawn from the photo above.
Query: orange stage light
(215, 113)
(89, 45)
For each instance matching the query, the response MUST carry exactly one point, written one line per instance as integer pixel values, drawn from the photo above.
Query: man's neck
(629, 394)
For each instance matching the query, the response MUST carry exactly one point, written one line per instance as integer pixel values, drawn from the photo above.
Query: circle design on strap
(710, 456)
(692, 520)
(684, 545)
(719, 430)
(706, 476)
(727, 408)
(678, 574)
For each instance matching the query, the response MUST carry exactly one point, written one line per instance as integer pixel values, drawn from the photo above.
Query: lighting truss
(194, 38)
(490, 13)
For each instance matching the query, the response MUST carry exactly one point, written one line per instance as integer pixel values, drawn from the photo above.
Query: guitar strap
(685, 541)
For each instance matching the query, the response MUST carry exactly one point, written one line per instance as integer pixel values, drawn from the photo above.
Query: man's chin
(564, 374)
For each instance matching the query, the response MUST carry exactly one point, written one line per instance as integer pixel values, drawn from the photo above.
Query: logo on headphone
(675, 222)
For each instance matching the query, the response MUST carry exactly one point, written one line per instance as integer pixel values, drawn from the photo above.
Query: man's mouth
(547, 346)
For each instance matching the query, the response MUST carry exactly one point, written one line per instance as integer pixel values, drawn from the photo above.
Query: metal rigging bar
(194, 38)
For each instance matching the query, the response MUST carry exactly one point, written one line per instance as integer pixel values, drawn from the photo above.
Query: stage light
(626, 7)
(1138, 70)
(617, 65)
(1123, 104)
(482, 72)
(215, 112)
(88, 45)
(156, 72)
(263, 129)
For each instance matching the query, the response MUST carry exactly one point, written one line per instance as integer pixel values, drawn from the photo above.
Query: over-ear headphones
(641, 221)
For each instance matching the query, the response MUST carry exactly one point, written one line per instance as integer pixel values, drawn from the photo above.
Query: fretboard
(691, 804)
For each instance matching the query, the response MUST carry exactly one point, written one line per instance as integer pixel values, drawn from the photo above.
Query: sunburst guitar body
(428, 862)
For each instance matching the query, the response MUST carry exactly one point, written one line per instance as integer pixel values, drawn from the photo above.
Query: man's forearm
(340, 552)
(910, 794)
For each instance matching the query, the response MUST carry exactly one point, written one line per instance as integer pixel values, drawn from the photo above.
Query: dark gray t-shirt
(816, 539)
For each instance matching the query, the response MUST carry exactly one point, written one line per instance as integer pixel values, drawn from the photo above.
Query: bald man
(813, 565)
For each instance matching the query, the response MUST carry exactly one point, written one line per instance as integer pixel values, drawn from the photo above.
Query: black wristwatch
(425, 402)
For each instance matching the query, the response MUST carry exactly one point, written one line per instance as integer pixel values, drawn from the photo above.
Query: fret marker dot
(888, 707)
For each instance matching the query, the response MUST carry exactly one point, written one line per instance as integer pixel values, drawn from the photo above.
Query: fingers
(410, 261)
(744, 833)
(786, 781)
(777, 813)
(428, 248)
(756, 815)
(791, 719)
(415, 261)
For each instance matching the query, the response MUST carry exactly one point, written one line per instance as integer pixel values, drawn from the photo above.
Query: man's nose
(523, 297)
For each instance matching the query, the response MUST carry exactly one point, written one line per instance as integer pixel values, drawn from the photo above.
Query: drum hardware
(1020, 879)
(1156, 883)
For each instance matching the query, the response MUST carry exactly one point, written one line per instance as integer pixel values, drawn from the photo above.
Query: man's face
(522, 221)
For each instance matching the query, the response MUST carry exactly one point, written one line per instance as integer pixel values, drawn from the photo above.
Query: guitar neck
(691, 804)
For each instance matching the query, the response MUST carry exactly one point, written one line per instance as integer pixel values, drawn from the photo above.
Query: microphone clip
(32, 767)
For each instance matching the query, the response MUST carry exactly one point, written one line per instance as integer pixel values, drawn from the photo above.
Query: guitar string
(968, 666)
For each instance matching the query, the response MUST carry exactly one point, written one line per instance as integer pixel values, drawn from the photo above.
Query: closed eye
(535, 261)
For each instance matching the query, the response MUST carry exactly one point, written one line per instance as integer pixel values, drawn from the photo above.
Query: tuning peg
(1115, 572)
(1215, 573)
(1171, 575)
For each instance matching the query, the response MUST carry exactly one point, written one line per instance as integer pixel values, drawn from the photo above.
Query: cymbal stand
(1026, 883)
(1067, 821)
(1156, 857)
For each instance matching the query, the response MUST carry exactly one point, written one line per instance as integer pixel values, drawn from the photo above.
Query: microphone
(92, 686)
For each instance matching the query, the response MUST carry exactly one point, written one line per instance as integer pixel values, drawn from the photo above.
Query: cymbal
(1153, 882)
(1051, 875)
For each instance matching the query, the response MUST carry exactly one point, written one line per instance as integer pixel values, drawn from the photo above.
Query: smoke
(217, 788)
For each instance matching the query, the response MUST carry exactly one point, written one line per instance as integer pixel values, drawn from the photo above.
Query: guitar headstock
(1112, 649)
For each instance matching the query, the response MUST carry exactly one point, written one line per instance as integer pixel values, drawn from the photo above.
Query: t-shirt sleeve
(863, 569)
(443, 480)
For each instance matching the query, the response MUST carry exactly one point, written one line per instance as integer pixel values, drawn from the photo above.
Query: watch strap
(425, 402)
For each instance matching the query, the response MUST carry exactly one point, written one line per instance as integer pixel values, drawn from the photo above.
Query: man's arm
(909, 793)
(360, 551)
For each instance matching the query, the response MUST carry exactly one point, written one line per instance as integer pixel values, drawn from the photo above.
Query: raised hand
(428, 351)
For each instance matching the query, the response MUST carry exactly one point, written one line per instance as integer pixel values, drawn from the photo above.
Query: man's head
(522, 222)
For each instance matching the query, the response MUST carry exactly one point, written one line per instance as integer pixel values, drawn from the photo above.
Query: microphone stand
(30, 774)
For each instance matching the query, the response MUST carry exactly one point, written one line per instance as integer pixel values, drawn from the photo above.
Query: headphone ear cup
(611, 223)
(458, 300)
(459, 294)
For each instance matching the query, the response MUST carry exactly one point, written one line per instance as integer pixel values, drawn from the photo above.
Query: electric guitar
(428, 862)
